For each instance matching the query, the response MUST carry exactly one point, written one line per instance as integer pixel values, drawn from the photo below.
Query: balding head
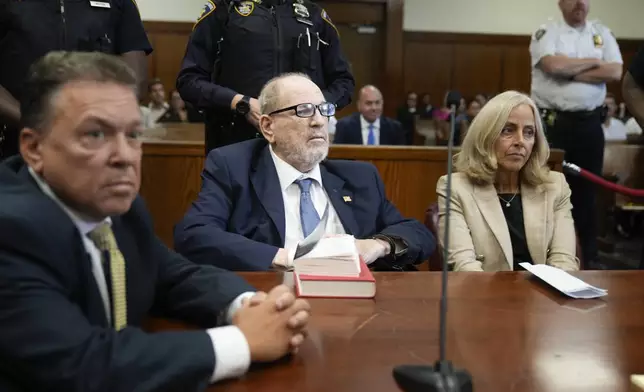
(299, 139)
(370, 103)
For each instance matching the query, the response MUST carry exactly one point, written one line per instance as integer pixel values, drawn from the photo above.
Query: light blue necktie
(371, 139)
(308, 215)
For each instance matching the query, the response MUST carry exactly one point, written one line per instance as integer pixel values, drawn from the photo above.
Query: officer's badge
(551, 119)
(207, 10)
(598, 41)
(300, 10)
(540, 33)
(245, 8)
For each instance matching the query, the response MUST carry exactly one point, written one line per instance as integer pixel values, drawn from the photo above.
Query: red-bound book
(362, 286)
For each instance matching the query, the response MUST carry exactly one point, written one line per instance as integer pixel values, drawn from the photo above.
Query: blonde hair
(477, 158)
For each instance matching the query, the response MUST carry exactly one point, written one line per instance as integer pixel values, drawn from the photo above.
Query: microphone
(442, 377)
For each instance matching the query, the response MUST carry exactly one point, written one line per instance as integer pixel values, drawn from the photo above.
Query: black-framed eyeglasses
(305, 110)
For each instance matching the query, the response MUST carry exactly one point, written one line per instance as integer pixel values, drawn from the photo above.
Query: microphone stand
(442, 377)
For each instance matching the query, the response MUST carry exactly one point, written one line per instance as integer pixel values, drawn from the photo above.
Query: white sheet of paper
(564, 282)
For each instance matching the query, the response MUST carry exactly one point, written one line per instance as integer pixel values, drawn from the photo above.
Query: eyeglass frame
(294, 107)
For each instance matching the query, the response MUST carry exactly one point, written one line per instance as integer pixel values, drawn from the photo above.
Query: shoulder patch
(207, 10)
(539, 34)
(327, 18)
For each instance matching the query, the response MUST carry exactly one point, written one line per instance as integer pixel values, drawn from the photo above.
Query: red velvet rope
(574, 169)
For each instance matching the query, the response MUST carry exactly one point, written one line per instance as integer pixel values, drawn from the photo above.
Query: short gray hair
(50, 73)
(269, 97)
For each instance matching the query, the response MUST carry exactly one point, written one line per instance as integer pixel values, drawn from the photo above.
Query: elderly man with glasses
(262, 197)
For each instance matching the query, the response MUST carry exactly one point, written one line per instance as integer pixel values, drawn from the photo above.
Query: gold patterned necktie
(104, 239)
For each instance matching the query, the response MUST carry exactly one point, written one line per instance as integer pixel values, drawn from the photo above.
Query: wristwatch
(393, 252)
(243, 106)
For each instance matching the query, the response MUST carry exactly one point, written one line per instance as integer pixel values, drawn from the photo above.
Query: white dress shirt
(229, 343)
(364, 125)
(616, 130)
(287, 176)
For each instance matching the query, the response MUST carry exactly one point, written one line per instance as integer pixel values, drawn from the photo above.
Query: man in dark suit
(369, 127)
(260, 198)
(80, 268)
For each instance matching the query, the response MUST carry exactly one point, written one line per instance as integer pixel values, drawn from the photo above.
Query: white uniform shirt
(594, 40)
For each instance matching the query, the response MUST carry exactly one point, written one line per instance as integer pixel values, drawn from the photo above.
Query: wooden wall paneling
(350, 12)
(170, 182)
(482, 50)
(427, 69)
(477, 68)
(516, 60)
(394, 56)
(366, 57)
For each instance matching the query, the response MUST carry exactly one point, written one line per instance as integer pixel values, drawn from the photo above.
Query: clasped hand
(274, 324)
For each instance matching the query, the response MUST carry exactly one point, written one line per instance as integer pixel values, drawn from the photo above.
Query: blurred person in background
(369, 127)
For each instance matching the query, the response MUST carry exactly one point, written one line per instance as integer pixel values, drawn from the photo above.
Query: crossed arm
(586, 70)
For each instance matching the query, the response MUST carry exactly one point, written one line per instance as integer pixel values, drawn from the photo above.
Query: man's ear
(266, 127)
(30, 148)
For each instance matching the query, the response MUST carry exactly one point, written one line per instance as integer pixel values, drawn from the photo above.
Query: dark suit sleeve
(194, 81)
(338, 77)
(399, 136)
(341, 133)
(47, 343)
(187, 291)
(201, 235)
(420, 242)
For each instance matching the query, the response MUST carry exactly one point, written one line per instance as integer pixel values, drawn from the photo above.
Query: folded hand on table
(274, 324)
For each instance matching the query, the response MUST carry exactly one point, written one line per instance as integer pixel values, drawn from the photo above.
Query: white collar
(364, 123)
(84, 225)
(287, 174)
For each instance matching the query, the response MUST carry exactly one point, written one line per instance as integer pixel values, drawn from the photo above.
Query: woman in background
(506, 206)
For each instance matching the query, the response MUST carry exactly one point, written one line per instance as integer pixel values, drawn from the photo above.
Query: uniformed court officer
(238, 46)
(571, 63)
(31, 28)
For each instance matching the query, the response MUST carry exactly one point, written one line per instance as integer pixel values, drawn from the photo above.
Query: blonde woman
(506, 206)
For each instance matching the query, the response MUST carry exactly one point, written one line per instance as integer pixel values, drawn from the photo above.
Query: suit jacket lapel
(267, 187)
(534, 202)
(488, 202)
(341, 199)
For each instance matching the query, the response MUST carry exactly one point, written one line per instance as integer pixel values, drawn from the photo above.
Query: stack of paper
(332, 256)
(564, 282)
(638, 381)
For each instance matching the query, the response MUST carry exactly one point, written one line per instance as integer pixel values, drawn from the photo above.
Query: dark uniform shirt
(29, 29)
(514, 218)
(236, 48)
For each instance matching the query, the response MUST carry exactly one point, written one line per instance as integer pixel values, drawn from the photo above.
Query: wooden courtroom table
(173, 159)
(510, 330)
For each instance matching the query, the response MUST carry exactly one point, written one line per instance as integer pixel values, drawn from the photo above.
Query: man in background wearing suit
(259, 199)
(80, 268)
(369, 127)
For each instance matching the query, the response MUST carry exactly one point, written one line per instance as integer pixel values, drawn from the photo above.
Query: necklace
(507, 202)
